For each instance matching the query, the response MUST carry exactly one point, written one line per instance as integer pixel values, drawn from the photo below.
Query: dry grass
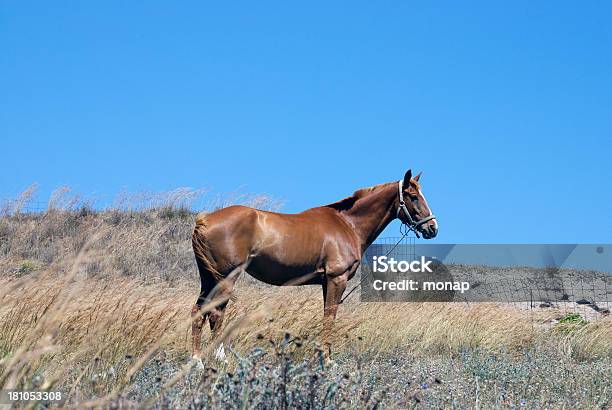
(85, 334)
(89, 299)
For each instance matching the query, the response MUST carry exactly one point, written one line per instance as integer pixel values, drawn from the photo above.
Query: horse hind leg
(204, 308)
(215, 321)
(210, 279)
(214, 297)
(198, 316)
(215, 318)
(197, 323)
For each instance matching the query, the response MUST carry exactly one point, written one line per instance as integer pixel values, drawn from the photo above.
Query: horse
(320, 246)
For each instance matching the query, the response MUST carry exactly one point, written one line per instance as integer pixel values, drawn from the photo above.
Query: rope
(407, 231)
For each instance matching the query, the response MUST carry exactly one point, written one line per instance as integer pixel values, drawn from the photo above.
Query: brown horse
(321, 245)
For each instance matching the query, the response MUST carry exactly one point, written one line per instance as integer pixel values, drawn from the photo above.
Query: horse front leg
(333, 288)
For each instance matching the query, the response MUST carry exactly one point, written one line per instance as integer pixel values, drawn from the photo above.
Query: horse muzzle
(429, 230)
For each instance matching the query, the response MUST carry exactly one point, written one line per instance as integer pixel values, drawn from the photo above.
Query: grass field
(96, 304)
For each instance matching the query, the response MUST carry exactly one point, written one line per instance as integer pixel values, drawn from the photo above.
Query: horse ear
(407, 178)
(418, 176)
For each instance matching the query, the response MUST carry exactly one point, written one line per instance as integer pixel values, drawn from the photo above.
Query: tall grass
(86, 335)
(97, 304)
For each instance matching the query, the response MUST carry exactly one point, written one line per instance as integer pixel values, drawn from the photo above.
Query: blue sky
(506, 108)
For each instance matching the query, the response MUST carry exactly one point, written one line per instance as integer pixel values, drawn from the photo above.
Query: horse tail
(201, 249)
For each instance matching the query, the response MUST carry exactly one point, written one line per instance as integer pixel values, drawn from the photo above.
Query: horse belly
(271, 270)
(288, 251)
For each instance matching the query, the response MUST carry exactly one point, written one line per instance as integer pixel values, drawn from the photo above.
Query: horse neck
(371, 214)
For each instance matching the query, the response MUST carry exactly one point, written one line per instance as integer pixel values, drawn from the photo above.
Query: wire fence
(8, 205)
(588, 295)
(184, 198)
(567, 290)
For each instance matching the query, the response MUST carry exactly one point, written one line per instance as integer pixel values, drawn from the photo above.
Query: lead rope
(387, 254)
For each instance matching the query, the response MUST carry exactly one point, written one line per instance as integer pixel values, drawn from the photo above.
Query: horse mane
(349, 201)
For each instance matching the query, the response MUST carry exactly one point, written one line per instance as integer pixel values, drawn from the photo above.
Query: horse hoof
(220, 354)
(197, 362)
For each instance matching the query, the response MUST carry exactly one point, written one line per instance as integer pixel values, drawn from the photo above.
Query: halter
(411, 224)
